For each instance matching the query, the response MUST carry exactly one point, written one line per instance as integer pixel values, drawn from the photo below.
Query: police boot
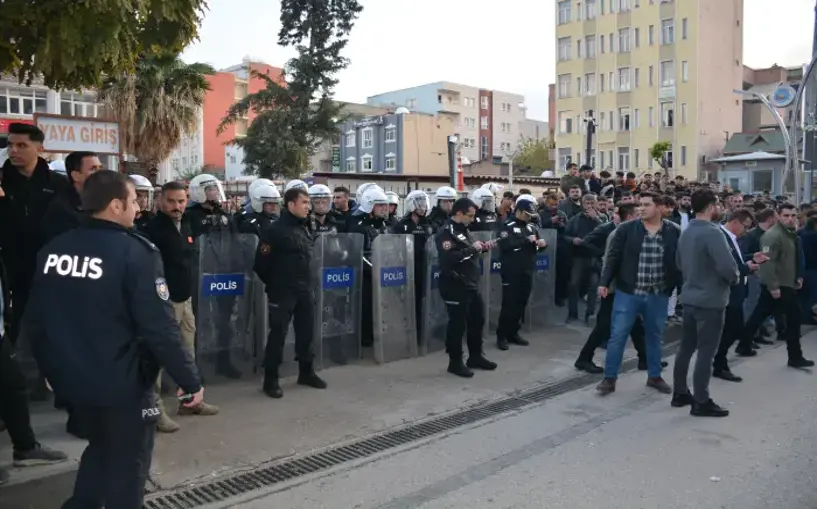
(478, 361)
(519, 340)
(502, 343)
(166, 425)
(272, 387)
(308, 377)
(456, 367)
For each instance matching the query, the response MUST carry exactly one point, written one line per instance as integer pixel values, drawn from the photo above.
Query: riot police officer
(205, 211)
(101, 349)
(394, 202)
(246, 207)
(322, 220)
(485, 219)
(265, 203)
(442, 210)
(284, 264)
(460, 271)
(144, 195)
(519, 242)
(374, 208)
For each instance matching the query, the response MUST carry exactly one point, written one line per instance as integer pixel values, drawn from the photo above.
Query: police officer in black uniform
(519, 242)
(265, 203)
(460, 272)
(445, 196)
(65, 210)
(394, 203)
(321, 218)
(374, 210)
(144, 195)
(416, 223)
(284, 264)
(485, 219)
(108, 329)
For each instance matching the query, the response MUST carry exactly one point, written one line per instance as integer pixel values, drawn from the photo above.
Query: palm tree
(156, 105)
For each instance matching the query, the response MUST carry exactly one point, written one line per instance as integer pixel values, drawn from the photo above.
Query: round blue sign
(783, 96)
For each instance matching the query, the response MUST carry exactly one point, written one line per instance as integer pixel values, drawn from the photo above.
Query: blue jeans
(626, 306)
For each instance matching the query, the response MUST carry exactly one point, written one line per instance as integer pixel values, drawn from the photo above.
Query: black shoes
(519, 340)
(272, 388)
(502, 343)
(708, 409)
(744, 352)
(725, 374)
(800, 363)
(480, 362)
(589, 367)
(308, 377)
(456, 367)
(681, 400)
(39, 455)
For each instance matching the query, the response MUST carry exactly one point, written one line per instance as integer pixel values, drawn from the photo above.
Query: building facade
(487, 121)
(400, 144)
(756, 116)
(647, 71)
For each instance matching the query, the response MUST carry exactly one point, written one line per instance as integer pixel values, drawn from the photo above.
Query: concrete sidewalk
(252, 429)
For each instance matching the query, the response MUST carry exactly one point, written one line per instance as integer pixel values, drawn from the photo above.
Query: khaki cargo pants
(183, 312)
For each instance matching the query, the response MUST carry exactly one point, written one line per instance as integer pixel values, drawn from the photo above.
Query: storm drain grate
(265, 477)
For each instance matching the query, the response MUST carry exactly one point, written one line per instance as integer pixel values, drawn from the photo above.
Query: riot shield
(435, 315)
(485, 281)
(339, 263)
(227, 318)
(395, 330)
(541, 305)
(494, 288)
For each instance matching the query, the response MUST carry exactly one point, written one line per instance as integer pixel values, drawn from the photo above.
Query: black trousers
(14, 400)
(115, 465)
(20, 288)
(515, 295)
(562, 274)
(466, 315)
(584, 279)
(419, 298)
(732, 332)
(601, 331)
(367, 309)
(787, 305)
(300, 309)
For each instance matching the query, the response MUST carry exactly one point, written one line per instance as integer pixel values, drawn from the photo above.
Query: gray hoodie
(706, 263)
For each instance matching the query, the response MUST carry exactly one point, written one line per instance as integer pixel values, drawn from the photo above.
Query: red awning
(4, 123)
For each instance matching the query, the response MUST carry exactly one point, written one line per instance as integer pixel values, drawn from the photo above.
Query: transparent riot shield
(541, 305)
(485, 281)
(339, 263)
(227, 319)
(494, 288)
(435, 315)
(395, 329)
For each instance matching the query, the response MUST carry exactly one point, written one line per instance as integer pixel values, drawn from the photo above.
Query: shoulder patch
(265, 248)
(145, 242)
(161, 289)
(504, 234)
(446, 245)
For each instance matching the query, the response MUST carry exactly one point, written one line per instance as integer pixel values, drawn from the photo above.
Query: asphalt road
(629, 450)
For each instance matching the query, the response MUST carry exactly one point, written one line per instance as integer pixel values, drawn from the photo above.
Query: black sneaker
(519, 340)
(39, 455)
(311, 379)
(272, 388)
(589, 367)
(502, 343)
(480, 362)
(456, 367)
(708, 409)
(800, 363)
(743, 352)
(681, 400)
(725, 374)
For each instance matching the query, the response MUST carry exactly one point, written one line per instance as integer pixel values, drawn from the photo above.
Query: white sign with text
(69, 134)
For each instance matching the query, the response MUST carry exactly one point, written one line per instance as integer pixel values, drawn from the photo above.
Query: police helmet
(206, 188)
(321, 197)
(394, 199)
(417, 201)
(143, 188)
(526, 203)
(371, 198)
(484, 199)
(446, 193)
(293, 184)
(493, 188)
(264, 193)
(57, 165)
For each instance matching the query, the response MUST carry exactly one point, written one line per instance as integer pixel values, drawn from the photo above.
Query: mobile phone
(186, 398)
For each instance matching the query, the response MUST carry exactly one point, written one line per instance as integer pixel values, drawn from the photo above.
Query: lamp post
(591, 131)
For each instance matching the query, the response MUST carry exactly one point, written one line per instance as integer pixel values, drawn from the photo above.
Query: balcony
(666, 92)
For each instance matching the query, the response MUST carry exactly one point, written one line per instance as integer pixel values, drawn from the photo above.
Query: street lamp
(591, 130)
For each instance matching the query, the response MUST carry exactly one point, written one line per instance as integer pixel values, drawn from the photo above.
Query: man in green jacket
(571, 179)
(780, 278)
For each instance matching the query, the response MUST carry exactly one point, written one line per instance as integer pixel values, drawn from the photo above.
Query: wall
(421, 99)
(425, 143)
(511, 118)
(486, 132)
(233, 162)
(551, 110)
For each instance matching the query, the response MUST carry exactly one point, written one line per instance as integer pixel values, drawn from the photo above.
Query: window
(601, 82)
(390, 135)
(411, 104)
(684, 71)
(624, 158)
(684, 113)
(612, 40)
(624, 119)
(77, 105)
(601, 43)
(483, 141)
(637, 77)
(624, 79)
(391, 162)
(366, 163)
(636, 120)
(351, 164)
(651, 116)
(684, 29)
(668, 158)
(579, 53)
(483, 102)
(612, 6)
(623, 5)
(578, 11)
(350, 138)
(468, 122)
(683, 156)
(564, 49)
(667, 31)
(483, 122)
(579, 86)
(636, 158)
(610, 121)
(508, 127)
(564, 12)
(649, 162)
(590, 9)
(565, 123)
(667, 73)
(590, 46)
(601, 122)
(564, 157)
(651, 35)
(22, 101)
(601, 159)
(761, 181)
(589, 84)
(564, 85)
(368, 137)
(612, 82)
(650, 73)
(624, 40)
(636, 37)
(667, 115)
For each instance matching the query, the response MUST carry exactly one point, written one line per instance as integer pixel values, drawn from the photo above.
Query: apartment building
(487, 121)
(647, 71)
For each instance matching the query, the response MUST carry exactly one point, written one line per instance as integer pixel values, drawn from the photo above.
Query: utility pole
(591, 131)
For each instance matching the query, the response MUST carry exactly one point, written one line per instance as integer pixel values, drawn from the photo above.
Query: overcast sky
(507, 45)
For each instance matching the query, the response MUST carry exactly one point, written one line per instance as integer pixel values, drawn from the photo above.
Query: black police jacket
(177, 248)
(204, 220)
(108, 324)
(283, 260)
(516, 251)
(64, 213)
(422, 231)
(328, 225)
(437, 217)
(142, 220)
(458, 258)
(484, 221)
(5, 295)
(370, 227)
(22, 210)
(254, 222)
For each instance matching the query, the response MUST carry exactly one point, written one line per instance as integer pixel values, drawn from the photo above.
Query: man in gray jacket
(709, 271)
